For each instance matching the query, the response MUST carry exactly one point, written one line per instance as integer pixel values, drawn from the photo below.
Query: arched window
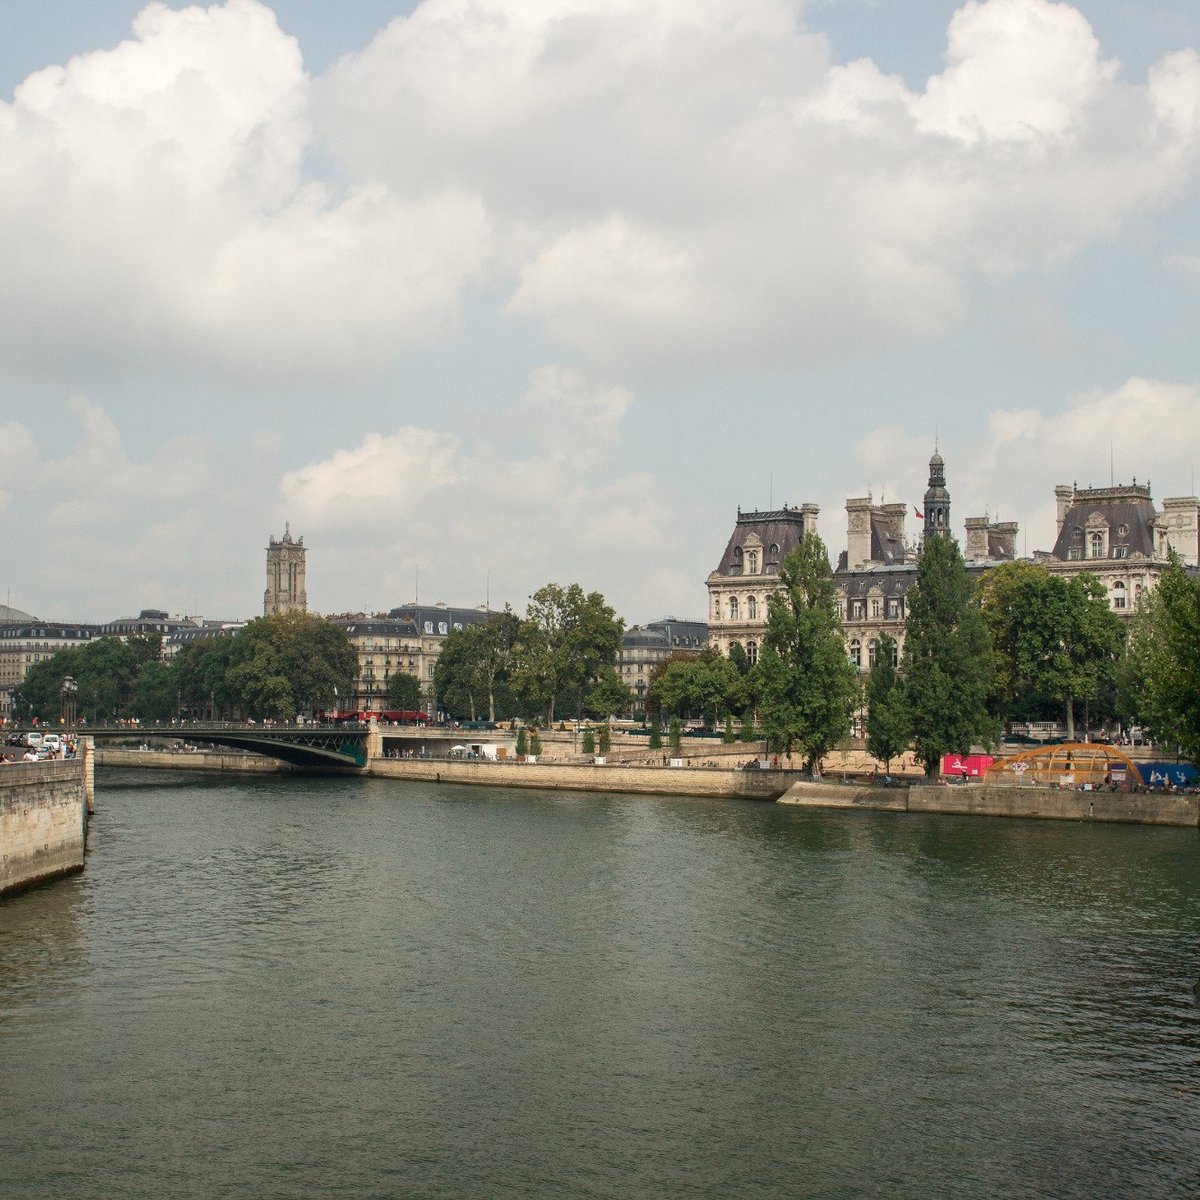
(1096, 544)
(751, 609)
(872, 645)
(856, 653)
(752, 562)
(752, 652)
(733, 608)
(1118, 594)
(895, 653)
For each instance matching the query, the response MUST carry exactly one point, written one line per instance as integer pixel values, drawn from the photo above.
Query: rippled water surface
(288, 987)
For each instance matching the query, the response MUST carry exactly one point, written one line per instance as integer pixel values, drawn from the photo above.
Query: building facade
(24, 643)
(873, 574)
(1117, 535)
(285, 575)
(644, 647)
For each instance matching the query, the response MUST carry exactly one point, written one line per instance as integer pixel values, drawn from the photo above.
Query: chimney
(977, 539)
(1064, 494)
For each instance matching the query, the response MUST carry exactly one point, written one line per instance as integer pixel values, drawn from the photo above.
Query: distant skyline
(507, 293)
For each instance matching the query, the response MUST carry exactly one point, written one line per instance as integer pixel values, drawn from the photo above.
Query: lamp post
(68, 694)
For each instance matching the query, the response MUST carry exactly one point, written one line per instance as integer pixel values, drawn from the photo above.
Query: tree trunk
(1070, 719)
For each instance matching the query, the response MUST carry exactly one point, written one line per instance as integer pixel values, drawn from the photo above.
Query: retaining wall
(43, 821)
(199, 760)
(667, 781)
(1130, 808)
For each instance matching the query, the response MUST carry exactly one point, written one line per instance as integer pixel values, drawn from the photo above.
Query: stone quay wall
(43, 820)
(720, 783)
(1043, 803)
(199, 760)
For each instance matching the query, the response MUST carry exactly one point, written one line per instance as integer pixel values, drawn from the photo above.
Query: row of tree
(276, 666)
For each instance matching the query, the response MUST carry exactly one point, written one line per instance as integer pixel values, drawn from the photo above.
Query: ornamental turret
(937, 500)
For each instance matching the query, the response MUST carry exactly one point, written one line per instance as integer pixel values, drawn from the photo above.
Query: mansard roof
(1127, 507)
(779, 532)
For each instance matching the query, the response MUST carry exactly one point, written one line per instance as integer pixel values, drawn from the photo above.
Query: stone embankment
(44, 808)
(1045, 803)
(718, 782)
(199, 760)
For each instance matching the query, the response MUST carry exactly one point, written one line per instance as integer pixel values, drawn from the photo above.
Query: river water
(287, 987)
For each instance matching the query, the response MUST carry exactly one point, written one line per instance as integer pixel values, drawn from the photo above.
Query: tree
(691, 686)
(604, 741)
(1055, 639)
(748, 732)
(887, 716)
(675, 736)
(457, 681)
(729, 736)
(568, 638)
(535, 744)
(948, 674)
(655, 742)
(403, 692)
(610, 695)
(807, 688)
(522, 747)
(1163, 663)
(589, 741)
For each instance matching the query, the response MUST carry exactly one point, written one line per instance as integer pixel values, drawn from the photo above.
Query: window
(733, 608)
(874, 608)
(1119, 551)
(752, 562)
(1118, 590)
(893, 608)
(856, 653)
(1096, 544)
(751, 608)
(752, 652)
(443, 629)
(857, 610)
(428, 626)
(895, 654)
(1074, 553)
(736, 569)
(872, 646)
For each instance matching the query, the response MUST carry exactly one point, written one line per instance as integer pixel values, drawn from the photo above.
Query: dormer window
(1096, 544)
(752, 562)
(737, 560)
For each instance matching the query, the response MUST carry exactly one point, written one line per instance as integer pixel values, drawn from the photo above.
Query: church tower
(937, 500)
(285, 575)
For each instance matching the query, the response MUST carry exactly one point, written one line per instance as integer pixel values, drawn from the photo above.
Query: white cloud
(1144, 427)
(455, 507)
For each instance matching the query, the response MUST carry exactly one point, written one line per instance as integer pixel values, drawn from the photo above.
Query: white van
(52, 742)
(33, 739)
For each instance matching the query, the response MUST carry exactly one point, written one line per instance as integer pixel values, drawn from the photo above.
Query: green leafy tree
(567, 640)
(948, 674)
(608, 696)
(155, 695)
(457, 679)
(739, 658)
(589, 741)
(1161, 672)
(1055, 639)
(748, 732)
(201, 671)
(729, 736)
(807, 688)
(522, 742)
(887, 715)
(675, 736)
(535, 744)
(604, 741)
(655, 741)
(403, 692)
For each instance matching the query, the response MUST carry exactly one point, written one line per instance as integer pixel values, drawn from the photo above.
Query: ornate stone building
(1116, 534)
(873, 574)
(285, 575)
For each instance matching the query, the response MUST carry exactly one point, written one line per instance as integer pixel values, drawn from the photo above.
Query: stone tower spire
(937, 500)
(285, 575)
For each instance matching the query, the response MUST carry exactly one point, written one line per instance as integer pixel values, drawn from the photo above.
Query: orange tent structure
(1071, 764)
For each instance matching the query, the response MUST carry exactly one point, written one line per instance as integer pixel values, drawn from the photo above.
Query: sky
(478, 295)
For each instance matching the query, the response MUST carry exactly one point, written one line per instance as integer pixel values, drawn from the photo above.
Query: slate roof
(1128, 508)
(782, 528)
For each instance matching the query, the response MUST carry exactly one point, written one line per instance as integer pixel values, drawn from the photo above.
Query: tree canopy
(807, 687)
(947, 662)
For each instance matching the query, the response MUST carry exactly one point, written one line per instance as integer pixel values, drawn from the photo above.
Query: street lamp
(68, 694)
